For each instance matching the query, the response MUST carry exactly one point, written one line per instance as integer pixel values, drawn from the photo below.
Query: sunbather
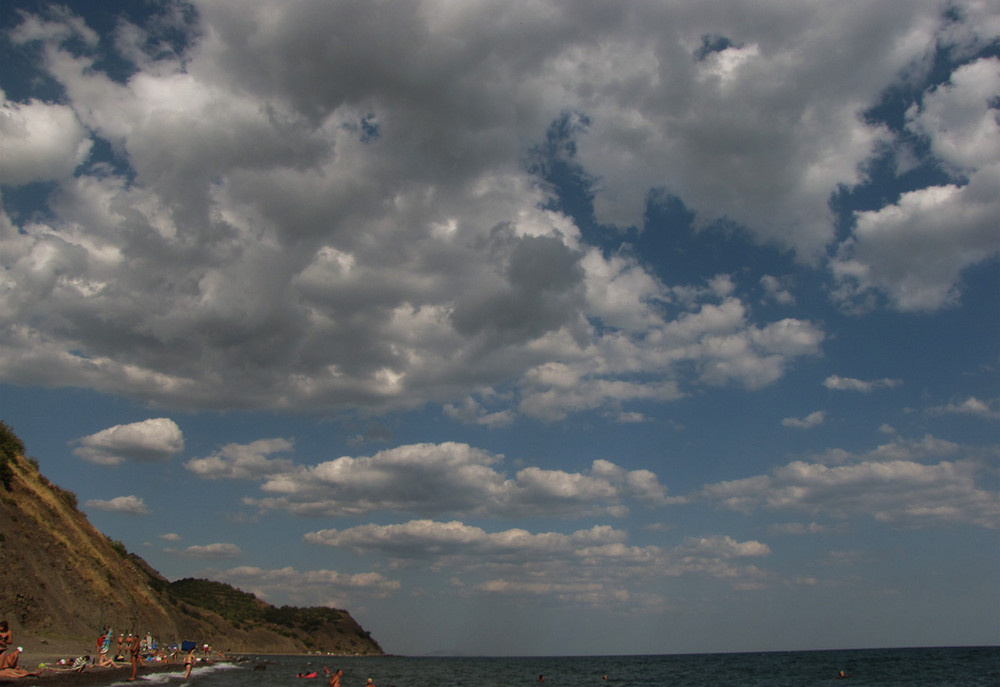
(8, 659)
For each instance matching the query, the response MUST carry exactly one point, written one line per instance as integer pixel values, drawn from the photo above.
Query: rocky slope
(61, 579)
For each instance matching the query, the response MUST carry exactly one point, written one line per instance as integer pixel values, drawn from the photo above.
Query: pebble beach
(42, 656)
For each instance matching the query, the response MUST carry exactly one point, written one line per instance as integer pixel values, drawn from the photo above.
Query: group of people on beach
(140, 649)
(137, 648)
(131, 644)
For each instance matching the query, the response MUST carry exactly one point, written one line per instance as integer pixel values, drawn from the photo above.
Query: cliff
(61, 579)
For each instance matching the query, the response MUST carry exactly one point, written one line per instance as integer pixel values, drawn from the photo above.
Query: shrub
(119, 547)
(6, 473)
(11, 446)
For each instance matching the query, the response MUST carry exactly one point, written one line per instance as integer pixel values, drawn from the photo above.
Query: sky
(520, 327)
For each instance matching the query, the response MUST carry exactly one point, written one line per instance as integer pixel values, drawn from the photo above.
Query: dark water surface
(926, 667)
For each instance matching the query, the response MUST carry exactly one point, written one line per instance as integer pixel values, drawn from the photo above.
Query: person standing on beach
(134, 656)
(189, 663)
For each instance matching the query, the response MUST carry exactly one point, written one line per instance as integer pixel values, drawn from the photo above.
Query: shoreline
(50, 650)
(96, 675)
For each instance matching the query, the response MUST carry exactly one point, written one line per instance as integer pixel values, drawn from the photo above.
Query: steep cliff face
(61, 578)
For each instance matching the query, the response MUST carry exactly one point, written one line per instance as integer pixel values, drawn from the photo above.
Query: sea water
(940, 667)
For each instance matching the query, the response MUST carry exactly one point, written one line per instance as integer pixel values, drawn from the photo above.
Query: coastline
(50, 650)
(94, 675)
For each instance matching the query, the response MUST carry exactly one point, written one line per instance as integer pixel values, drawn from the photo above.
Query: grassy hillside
(244, 610)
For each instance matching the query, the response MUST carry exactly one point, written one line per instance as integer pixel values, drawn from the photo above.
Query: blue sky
(520, 327)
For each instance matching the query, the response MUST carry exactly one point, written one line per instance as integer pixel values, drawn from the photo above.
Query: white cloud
(914, 251)
(797, 528)
(218, 550)
(747, 133)
(838, 383)
(591, 567)
(299, 236)
(430, 479)
(927, 447)
(970, 406)
(309, 587)
(811, 420)
(776, 289)
(886, 484)
(59, 24)
(129, 505)
(428, 539)
(243, 461)
(150, 440)
(170, 536)
(472, 411)
(715, 338)
(724, 547)
(39, 141)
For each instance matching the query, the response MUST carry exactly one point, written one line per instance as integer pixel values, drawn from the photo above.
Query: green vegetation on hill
(10, 447)
(238, 607)
(243, 609)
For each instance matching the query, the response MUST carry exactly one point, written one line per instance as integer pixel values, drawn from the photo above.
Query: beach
(50, 651)
(92, 675)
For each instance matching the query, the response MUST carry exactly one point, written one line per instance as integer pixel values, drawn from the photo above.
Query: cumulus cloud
(887, 484)
(298, 236)
(970, 406)
(428, 539)
(309, 587)
(718, 133)
(590, 567)
(218, 550)
(280, 230)
(839, 383)
(914, 250)
(471, 411)
(147, 441)
(776, 289)
(927, 447)
(39, 141)
(129, 505)
(429, 479)
(798, 528)
(243, 461)
(811, 420)
(715, 338)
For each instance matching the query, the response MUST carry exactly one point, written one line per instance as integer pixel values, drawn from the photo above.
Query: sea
(923, 667)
